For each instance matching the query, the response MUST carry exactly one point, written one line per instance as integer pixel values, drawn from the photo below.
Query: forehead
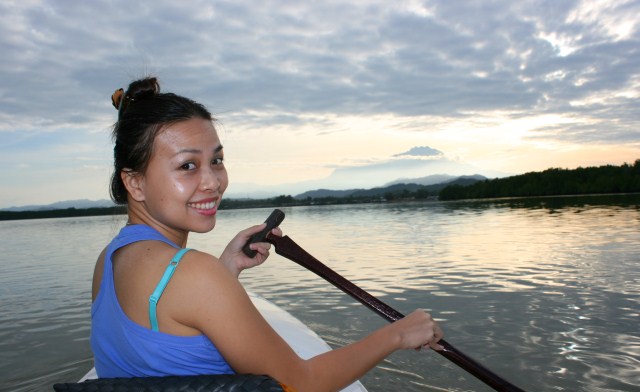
(194, 132)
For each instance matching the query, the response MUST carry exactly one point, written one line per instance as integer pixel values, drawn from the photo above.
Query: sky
(318, 94)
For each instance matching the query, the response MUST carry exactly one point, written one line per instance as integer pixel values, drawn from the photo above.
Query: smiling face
(184, 180)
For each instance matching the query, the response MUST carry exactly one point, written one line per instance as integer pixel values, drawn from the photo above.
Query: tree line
(553, 182)
(62, 213)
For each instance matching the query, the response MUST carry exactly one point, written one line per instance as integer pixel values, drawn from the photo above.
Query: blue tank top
(123, 348)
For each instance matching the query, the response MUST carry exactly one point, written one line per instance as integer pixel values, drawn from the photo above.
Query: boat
(305, 342)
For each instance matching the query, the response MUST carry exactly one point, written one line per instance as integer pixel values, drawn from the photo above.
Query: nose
(210, 180)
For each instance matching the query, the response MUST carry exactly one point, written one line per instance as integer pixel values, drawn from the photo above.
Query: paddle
(286, 247)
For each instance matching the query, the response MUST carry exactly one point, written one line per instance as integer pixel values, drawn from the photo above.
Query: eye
(188, 166)
(217, 161)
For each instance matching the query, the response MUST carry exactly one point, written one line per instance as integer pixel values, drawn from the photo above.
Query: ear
(134, 182)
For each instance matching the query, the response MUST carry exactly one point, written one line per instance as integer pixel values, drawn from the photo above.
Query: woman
(169, 171)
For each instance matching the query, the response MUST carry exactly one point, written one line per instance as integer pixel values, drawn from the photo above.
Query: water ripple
(546, 293)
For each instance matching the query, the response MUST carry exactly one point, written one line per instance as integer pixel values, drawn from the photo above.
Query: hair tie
(116, 98)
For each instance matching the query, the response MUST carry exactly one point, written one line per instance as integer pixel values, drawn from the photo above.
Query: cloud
(299, 65)
(353, 58)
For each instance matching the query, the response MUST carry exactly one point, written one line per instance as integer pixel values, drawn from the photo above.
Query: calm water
(544, 292)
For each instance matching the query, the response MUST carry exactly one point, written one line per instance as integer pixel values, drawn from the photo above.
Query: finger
(254, 229)
(260, 247)
(436, 346)
(245, 235)
(437, 335)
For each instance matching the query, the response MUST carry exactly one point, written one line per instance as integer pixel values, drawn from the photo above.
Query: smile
(203, 206)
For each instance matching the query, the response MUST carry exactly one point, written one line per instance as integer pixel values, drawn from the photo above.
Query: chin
(204, 228)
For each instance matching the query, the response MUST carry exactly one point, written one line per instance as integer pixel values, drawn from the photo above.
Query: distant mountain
(62, 205)
(429, 180)
(389, 171)
(395, 188)
(318, 193)
(410, 185)
(420, 165)
(462, 181)
(329, 188)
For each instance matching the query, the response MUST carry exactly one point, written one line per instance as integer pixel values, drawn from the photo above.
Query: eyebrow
(197, 151)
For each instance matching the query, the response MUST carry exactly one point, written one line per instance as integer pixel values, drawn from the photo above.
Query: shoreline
(281, 202)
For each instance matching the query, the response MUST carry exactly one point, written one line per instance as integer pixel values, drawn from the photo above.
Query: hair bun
(143, 88)
(138, 89)
(116, 98)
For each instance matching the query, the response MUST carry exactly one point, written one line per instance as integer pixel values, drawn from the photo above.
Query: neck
(138, 215)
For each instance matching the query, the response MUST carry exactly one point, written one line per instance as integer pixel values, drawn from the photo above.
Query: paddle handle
(273, 221)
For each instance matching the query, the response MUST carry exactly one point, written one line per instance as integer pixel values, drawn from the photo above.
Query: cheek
(176, 185)
(184, 188)
(179, 187)
(224, 181)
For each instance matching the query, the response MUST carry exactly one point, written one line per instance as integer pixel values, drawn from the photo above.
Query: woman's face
(186, 177)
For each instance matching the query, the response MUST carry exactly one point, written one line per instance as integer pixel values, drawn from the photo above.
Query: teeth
(203, 206)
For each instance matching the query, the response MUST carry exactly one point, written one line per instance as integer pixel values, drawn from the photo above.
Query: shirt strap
(155, 296)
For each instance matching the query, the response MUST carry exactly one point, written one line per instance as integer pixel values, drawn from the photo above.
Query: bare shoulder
(206, 285)
(97, 275)
(139, 267)
(202, 268)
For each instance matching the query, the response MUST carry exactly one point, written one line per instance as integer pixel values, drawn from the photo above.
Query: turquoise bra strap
(155, 296)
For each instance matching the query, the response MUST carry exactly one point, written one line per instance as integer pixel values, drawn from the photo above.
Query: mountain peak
(421, 151)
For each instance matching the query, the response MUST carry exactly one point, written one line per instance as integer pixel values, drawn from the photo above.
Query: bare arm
(216, 304)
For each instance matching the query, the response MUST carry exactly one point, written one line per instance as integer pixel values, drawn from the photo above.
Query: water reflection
(532, 287)
(545, 292)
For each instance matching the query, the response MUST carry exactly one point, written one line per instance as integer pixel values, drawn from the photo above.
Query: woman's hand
(234, 258)
(418, 330)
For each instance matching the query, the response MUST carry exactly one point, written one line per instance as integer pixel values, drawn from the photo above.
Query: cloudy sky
(303, 89)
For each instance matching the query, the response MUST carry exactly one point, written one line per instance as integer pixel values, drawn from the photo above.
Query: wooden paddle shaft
(286, 247)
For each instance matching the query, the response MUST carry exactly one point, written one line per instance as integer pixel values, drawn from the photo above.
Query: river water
(544, 292)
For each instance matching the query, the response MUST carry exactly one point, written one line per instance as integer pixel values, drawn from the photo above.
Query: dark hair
(143, 111)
